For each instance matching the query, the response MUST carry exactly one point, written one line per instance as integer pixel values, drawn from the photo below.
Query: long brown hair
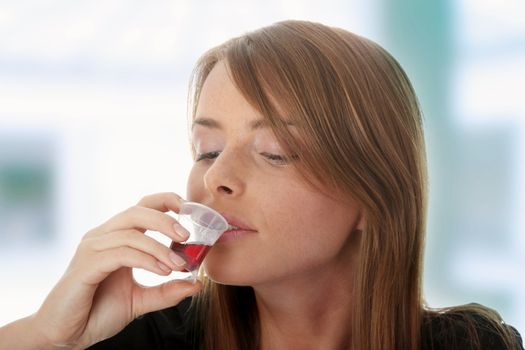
(360, 134)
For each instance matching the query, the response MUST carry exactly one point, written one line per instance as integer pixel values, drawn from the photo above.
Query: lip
(242, 229)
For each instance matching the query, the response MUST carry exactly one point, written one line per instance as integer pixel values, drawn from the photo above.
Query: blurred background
(93, 117)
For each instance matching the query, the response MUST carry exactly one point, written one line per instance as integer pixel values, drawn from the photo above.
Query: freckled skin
(299, 229)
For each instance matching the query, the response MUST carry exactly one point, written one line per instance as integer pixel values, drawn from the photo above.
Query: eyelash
(279, 159)
(207, 155)
(276, 158)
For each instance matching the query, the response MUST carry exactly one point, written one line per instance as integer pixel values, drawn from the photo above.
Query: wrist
(43, 340)
(24, 334)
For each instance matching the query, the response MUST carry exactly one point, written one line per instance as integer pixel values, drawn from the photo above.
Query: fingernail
(163, 267)
(177, 260)
(181, 231)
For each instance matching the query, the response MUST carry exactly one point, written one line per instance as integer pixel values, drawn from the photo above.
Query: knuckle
(173, 194)
(160, 196)
(84, 244)
(88, 235)
(131, 210)
(87, 244)
(146, 199)
(128, 216)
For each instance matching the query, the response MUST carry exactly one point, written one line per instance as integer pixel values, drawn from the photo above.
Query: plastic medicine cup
(205, 226)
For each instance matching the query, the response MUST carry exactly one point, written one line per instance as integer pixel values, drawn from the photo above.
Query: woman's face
(286, 228)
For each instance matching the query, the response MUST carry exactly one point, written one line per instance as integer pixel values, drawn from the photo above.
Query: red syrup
(193, 253)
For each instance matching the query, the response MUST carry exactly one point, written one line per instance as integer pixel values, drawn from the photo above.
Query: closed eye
(279, 159)
(207, 155)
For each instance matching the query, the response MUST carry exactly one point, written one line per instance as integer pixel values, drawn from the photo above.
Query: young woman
(309, 140)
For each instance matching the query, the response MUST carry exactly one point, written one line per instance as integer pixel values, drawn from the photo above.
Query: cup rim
(205, 207)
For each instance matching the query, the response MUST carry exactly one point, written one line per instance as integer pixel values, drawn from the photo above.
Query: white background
(104, 83)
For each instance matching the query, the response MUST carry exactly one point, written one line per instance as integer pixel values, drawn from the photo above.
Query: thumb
(164, 295)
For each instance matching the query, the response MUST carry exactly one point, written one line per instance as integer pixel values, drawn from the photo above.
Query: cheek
(195, 184)
(307, 229)
(312, 224)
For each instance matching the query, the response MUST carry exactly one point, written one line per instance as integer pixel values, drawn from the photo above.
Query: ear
(361, 221)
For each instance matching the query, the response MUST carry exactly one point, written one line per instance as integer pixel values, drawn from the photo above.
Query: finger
(135, 239)
(108, 261)
(143, 218)
(164, 201)
(148, 299)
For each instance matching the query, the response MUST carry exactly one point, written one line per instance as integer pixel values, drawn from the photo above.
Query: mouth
(235, 224)
(236, 229)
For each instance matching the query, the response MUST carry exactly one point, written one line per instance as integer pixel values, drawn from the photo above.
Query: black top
(171, 329)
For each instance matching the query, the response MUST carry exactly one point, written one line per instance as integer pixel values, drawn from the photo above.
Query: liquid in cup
(205, 226)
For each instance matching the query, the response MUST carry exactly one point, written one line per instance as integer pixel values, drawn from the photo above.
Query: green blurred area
(472, 168)
(27, 188)
(24, 183)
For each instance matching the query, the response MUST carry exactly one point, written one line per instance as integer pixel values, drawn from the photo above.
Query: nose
(224, 178)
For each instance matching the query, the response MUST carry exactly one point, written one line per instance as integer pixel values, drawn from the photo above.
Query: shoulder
(471, 326)
(164, 329)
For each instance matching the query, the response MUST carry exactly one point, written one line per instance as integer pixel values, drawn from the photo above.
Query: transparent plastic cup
(205, 226)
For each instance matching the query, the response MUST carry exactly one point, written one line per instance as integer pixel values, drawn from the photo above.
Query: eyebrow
(214, 124)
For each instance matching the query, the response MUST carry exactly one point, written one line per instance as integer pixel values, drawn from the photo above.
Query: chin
(230, 276)
(225, 266)
(238, 268)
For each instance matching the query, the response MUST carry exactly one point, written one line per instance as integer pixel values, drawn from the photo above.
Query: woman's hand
(97, 295)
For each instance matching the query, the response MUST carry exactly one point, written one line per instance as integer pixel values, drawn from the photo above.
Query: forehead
(222, 105)
(220, 99)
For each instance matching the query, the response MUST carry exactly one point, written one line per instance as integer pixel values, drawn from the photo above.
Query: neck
(307, 312)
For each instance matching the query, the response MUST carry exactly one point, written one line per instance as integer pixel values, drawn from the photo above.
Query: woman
(309, 140)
